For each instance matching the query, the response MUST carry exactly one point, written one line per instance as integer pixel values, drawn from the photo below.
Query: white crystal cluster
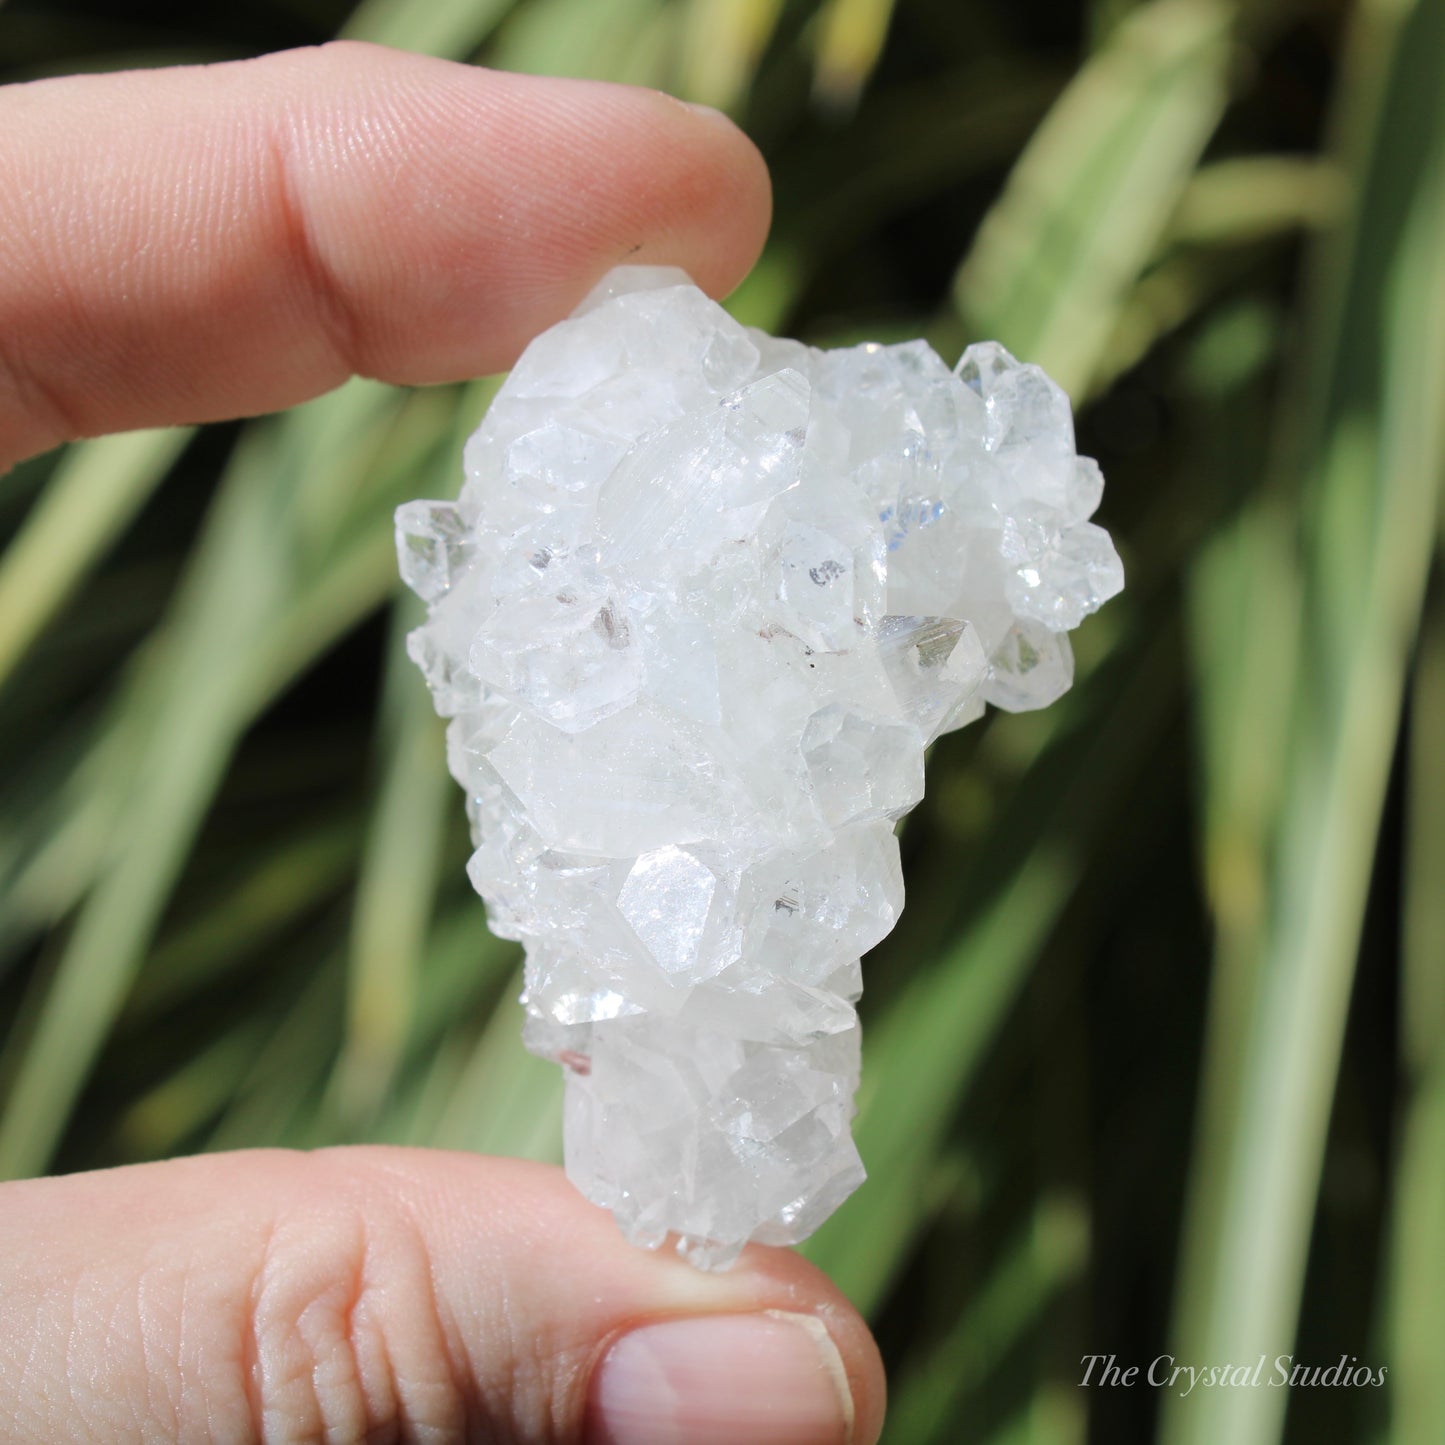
(704, 600)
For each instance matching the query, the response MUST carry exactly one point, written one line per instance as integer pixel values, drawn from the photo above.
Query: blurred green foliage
(1155, 1061)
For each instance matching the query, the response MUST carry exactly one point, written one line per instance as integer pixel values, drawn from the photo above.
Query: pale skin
(194, 244)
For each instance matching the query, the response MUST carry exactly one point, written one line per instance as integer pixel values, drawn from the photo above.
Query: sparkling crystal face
(704, 600)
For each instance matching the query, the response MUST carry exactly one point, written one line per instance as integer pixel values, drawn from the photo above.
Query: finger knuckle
(344, 1341)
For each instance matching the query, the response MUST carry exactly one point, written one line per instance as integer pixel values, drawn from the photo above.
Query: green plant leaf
(95, 492)
(1091, 196)
(1372, 457)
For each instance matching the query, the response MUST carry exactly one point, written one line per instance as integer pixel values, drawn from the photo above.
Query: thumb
(377, 1293)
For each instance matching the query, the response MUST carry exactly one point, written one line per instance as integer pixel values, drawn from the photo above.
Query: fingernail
(767, 1379)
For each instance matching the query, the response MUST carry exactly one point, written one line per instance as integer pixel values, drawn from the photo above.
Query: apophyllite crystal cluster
(704, 600)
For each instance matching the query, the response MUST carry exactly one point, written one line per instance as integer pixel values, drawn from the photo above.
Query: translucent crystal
(704, 600)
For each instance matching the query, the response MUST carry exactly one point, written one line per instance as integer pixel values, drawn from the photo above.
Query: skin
(192, 244)
(208, 242)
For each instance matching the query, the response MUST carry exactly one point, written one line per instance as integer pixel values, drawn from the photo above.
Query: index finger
(203, 242)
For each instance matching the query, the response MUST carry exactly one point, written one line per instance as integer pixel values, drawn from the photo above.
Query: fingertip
(581, 176)
(858, 1352)
(580, 1290)
(736, 208)
(662, 1337)
(486, 204)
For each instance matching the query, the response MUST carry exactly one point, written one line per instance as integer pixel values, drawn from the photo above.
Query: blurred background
(1155, 1061)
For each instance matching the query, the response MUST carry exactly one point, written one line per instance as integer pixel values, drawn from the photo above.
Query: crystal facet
(705, 598)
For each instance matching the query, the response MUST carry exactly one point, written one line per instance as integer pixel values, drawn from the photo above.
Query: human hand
(193, 244)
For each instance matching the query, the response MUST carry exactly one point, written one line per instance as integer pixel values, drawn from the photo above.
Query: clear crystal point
(704, 600)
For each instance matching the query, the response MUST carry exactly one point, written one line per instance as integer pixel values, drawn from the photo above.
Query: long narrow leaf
(1374, 471)
(1415, 1323)
(395, 888)
(1088, 201)
(94, 493)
